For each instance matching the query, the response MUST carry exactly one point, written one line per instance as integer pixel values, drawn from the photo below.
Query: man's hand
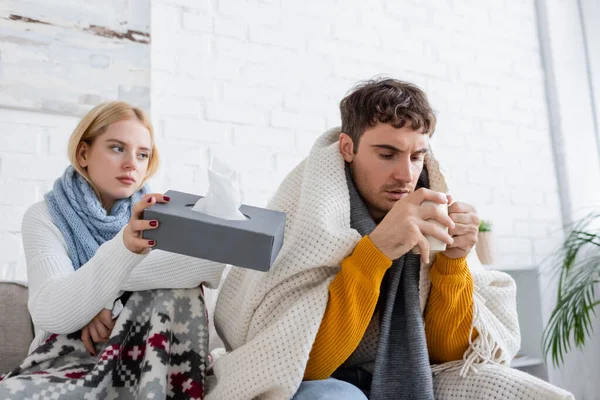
(465, 230)
(407, 223)
(98, 330)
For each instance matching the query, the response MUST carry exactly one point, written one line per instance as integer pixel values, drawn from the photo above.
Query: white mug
(435, 245)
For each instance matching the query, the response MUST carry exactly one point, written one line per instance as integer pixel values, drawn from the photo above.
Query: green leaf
(485, 225)
(577, 265)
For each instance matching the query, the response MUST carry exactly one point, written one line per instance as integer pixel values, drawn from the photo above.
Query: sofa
(16, 328)
(491, 382)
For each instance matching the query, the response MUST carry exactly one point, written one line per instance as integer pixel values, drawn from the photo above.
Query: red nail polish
(166, 198)
(149, 199)
(151, 242)
(153, 223)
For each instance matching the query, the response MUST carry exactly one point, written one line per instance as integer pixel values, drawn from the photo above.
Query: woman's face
(117, 160)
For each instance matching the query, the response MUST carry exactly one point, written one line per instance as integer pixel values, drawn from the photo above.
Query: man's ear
(83, 151)
(346, 147)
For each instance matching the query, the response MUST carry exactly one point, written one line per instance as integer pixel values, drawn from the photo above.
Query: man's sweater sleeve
(449, 311)
(353, 295)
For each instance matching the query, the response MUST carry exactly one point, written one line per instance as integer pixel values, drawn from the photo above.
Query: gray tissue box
(253, 243)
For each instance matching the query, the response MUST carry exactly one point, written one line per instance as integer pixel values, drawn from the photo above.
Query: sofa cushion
(16, 329)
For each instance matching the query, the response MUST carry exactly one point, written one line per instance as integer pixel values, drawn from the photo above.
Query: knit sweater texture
(269, 321)
(353, 296)
(62, 300)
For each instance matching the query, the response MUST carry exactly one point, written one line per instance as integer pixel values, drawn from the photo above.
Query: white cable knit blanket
(270, 320)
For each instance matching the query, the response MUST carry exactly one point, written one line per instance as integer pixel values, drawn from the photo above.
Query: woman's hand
(98, 330)
(132, 235)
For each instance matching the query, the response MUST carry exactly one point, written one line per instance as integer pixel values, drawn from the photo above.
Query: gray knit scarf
(402, 369)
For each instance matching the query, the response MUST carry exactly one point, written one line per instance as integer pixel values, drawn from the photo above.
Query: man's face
(386, 166)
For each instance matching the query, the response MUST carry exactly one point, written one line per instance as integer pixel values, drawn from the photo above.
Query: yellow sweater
(353, 295)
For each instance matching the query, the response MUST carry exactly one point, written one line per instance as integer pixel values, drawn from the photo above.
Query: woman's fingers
(136, 244)
(136, 223)
(161, 198)
(87, 341)
(102, 331)
(94, 333)
(139, 225)
(148, 201)
(105, 317)
(140, 206)
(132, 235)
(142, 244)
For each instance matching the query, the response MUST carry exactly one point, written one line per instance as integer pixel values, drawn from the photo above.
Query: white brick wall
(33, 153)
(257, 81)
(52, 62)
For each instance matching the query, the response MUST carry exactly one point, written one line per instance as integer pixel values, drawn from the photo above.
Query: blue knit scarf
(78, 214)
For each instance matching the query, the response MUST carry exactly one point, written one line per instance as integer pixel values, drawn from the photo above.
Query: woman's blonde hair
(95, 123)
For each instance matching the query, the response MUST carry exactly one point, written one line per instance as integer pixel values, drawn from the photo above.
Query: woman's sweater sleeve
(62, 300)
(166, 270)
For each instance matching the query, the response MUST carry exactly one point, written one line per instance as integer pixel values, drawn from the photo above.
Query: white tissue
(223, 199)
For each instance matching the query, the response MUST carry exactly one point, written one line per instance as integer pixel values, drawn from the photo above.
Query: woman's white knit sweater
(62, 300)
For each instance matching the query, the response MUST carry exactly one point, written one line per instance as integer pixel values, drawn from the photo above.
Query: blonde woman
(84, 248)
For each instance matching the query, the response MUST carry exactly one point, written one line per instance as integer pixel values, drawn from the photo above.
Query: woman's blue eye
(117, 148)
(143, 156)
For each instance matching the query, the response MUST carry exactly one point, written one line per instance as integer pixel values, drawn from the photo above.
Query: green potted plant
(577, 264)
(485, 243)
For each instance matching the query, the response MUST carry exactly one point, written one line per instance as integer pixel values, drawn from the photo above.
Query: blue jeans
(328, 389)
